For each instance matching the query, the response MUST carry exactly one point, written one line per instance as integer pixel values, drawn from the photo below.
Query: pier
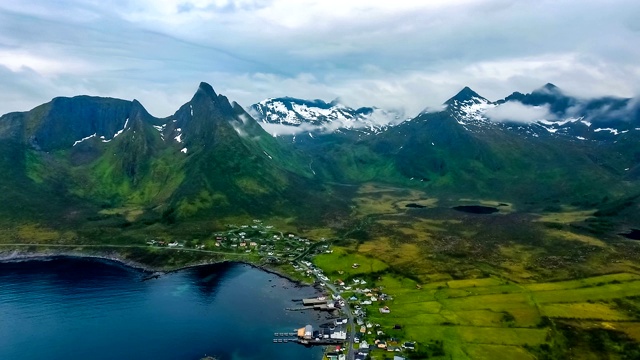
(310, 342)
(309, 337)
(313, 302)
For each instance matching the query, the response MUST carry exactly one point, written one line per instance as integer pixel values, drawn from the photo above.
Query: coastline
(16, 255)
(137, 269)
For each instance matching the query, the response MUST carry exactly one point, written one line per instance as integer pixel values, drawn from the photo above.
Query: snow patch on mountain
(319, 116)
(83, 139)
(121, 130)
(611, 130)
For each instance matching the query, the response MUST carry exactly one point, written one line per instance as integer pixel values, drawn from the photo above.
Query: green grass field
(342, 260)
(485, 318)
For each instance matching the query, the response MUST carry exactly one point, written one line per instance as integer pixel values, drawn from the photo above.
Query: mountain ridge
(212, 158)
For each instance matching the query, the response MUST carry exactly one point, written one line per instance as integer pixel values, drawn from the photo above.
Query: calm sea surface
(69, 308)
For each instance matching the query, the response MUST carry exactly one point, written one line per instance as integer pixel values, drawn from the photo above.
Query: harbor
(327, 334)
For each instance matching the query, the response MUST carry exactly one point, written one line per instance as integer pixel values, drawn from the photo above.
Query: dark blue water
(83, 309)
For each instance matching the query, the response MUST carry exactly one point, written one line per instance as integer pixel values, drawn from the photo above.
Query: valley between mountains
(497, 229)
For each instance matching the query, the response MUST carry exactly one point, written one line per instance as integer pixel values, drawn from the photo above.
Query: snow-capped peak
(320, 115)
(468, 107)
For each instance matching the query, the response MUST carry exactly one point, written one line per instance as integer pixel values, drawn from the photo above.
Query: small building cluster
(322, 336)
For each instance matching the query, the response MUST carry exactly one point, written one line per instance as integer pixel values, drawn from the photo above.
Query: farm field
(512, 285)
(481, 318)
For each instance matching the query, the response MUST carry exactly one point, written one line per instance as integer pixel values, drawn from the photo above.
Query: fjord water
(70, 308)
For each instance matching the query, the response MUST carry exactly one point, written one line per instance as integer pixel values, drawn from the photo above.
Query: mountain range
(319, 116)
(73, 157)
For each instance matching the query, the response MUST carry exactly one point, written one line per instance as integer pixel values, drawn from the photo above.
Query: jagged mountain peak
(549, 87)
(468, 107)
(320, 114)
(466, 94)
(206, 89)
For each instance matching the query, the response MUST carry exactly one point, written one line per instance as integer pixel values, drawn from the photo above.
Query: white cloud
(514, 111)
(286, 130)
(393, 55)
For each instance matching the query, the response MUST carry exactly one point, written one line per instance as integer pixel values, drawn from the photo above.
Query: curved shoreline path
(122, 247)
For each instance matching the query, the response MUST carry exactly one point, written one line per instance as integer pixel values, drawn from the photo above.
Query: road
(347, 311)
(352, 323)
(121, 247)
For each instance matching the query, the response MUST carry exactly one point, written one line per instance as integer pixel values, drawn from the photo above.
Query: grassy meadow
(516, 284)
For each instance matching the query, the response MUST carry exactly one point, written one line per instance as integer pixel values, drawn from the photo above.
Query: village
(255, 240)
(350, 336)
(354, 300)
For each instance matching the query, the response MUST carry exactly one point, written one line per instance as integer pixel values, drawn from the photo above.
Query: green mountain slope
(208, 159)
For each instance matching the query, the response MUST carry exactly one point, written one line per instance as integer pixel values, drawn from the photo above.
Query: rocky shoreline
(15, 255)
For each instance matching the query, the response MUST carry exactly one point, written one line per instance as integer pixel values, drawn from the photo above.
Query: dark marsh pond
(476, 209)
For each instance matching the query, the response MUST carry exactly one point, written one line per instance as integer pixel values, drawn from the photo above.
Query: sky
(397, 55)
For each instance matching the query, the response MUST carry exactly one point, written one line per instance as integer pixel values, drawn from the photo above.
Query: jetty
(314, 301)
(309, 336)
(319, 303)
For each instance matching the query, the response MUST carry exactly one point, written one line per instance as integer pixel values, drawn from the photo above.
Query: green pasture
(340, 264)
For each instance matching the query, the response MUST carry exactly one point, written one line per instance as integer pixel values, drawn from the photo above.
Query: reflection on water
(84, 309)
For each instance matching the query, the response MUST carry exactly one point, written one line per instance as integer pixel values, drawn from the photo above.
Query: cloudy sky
(391, 54)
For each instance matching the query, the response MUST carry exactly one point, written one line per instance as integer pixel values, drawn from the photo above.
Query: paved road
(347, 311)
(352, 332)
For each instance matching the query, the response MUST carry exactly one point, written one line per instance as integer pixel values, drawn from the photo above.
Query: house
(308, 332)
(341, 321)
(340, 335)
(398, 358)
(385, 310)
(335, 356)
(409, 345)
